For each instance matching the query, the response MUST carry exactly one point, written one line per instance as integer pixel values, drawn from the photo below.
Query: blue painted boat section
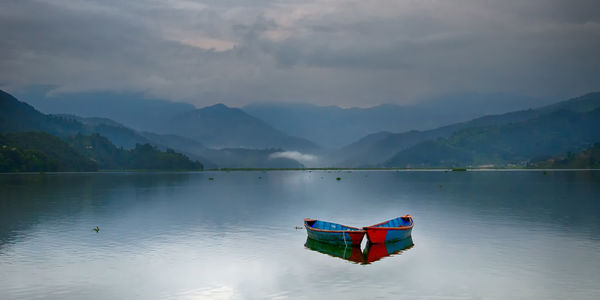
(395, 235)
(332, 232)
(330, 226)
(330, 237)
(397, 222)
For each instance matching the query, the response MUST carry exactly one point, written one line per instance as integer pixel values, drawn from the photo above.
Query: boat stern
(356, 237)
(376, 235)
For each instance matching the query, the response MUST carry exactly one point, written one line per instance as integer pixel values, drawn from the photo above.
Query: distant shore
(303, 169)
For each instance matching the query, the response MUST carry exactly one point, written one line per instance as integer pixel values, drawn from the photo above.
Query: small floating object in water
(545, 173)
(97, 229)
(210, 178)
(259, 177)
(459, 169)
(389, 231)
(338, 179)
(298, 227)
(333, 233)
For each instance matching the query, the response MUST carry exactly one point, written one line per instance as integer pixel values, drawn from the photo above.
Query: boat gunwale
(375, 227)
(358, 230)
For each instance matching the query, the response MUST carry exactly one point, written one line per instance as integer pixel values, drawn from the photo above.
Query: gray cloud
(321, 51)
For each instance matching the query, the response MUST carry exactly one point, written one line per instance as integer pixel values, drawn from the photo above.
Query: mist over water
(487, 234)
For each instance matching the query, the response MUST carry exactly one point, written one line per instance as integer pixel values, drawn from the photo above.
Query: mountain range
(18, 117)
(33, 141)
(224, 137)
(335, 127)
(293, 126)
(216, 126)
(424, 148)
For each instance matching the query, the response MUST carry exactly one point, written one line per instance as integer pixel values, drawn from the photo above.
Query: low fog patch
(305, 159)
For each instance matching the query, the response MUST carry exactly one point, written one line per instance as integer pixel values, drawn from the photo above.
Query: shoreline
(307, 169)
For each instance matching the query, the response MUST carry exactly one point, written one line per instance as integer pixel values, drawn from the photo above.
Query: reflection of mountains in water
(372, 253)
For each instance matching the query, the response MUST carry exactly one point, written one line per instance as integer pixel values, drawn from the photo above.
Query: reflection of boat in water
(375, 252)
(391, 230)
(333, 233)
(347, 252)
(372, 253)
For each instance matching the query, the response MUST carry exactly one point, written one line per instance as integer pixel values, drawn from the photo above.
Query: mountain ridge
(371, 152)
(334, 127)
(554, 133)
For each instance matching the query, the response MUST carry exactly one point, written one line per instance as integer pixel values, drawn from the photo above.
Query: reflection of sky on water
(479, 234)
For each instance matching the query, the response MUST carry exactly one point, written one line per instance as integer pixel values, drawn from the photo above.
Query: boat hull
(344, 237)
(390, 231)
(385, 235)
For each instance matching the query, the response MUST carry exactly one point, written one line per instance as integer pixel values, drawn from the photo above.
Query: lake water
(485, 234)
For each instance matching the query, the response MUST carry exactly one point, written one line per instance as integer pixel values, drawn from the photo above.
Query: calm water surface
(492, 234)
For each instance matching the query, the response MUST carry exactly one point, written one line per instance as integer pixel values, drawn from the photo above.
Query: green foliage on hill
(586, 159)
(148, 157)
(42, 152)
(17, 116)
(38, 151)
(13, 159)
(142, 157)
(513, 143)
(33, 143)
(99, 149)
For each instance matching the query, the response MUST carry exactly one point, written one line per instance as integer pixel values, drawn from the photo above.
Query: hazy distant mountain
(375, 149)
(216, 126)
(117, 133)
(333, 127)
(219, 126)
(130, 109)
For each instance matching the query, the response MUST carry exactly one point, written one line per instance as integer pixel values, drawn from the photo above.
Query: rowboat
(375, 252)
(333, 233)
(347, 252)
(391, 230)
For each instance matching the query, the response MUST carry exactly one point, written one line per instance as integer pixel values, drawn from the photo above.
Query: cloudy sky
(350, 53)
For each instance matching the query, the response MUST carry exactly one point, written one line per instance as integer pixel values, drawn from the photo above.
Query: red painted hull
(382, 233)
